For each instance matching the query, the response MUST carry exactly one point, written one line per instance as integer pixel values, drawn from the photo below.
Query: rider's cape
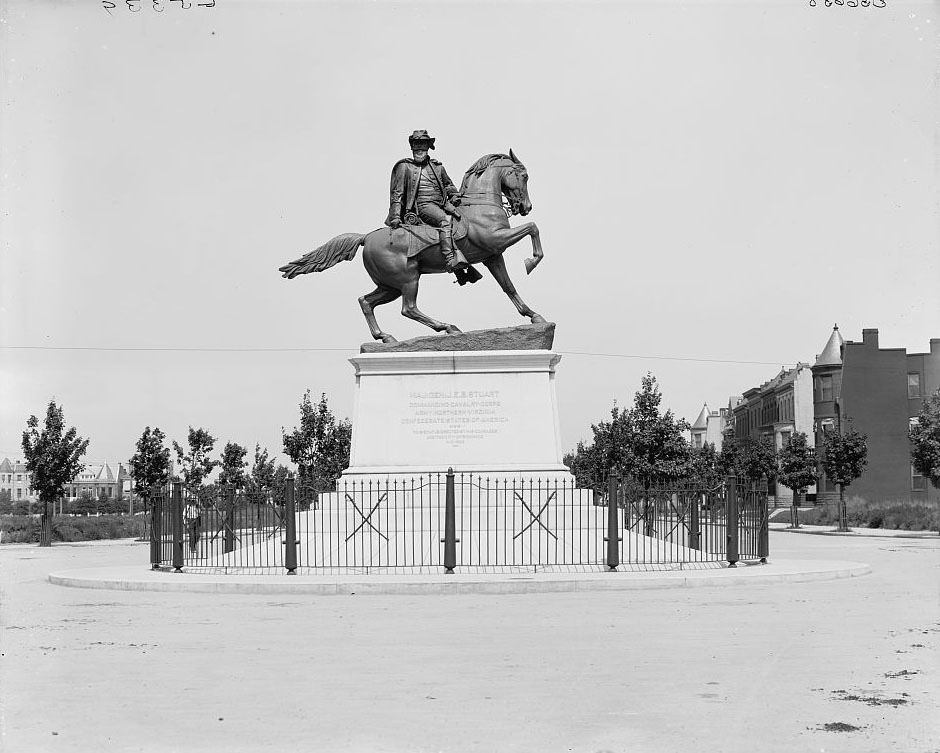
(413, 239)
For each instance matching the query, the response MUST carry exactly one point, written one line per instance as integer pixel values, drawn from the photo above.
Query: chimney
(870, 338)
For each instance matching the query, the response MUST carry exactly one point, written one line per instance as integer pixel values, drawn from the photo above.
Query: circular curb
(859, 533)
(131, 579)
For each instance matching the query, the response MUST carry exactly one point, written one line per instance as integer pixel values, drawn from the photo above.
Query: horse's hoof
(450, 329)
(388, 339)
(537, 319)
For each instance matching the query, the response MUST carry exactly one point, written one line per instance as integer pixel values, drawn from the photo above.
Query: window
(912, 422)
(19, 494)
(827, 425)
(918, 482)
(913, 385)
(784, 438)
(825, 388)
(19, 476)
(697, 441)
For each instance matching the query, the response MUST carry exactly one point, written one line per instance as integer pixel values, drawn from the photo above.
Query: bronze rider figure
(422, 191)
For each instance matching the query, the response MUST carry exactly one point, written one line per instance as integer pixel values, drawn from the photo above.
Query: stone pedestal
(491, 413)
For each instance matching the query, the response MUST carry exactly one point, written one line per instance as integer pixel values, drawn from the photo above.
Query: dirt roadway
(759, 667)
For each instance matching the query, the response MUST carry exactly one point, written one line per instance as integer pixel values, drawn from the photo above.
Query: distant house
(100, 481)
(776, 410)
(15, 479)
(709, 427)
(881, 391)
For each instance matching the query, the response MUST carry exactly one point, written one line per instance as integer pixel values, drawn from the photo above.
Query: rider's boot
(453, 257)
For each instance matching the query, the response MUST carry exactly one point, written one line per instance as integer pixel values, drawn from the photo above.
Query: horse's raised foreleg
(409, 308)
(497, 267)
(506, 237)
(376, 298)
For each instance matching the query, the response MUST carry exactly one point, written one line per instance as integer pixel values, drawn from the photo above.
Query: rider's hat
(421, 135)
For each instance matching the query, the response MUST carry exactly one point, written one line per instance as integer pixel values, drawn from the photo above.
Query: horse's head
(516, 186)
(498, 176)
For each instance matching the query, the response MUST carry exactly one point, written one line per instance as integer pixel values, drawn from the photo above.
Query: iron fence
(444, 522)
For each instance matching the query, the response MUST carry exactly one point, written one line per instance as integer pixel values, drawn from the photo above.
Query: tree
(757, 458)
(233, 465)
(844, 459)
(53, 457)
(730, 456)
(797, 470)
(591, 463)
(658, 448)
(262, 471)
(639, 442)
(6, 502)
(279, 486)
(925, 440)
(704, 467)
(150, 465)
(320, 446)
(196, 464)
(86, 504)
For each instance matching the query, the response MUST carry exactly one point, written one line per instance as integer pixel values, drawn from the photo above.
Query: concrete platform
(698, 575)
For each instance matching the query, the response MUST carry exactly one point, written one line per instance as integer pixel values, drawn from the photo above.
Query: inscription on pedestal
(454, 417)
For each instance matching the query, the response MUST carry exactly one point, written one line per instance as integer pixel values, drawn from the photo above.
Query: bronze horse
(484, 185)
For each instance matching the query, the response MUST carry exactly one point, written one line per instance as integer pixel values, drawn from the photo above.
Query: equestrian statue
(425, 233)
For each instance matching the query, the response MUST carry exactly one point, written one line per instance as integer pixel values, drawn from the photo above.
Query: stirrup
(468, 275)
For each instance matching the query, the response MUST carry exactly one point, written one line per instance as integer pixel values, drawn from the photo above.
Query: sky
(715, 185)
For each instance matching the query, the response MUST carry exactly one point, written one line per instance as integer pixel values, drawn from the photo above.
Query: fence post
(731, 512)
(613, 540)
(763, 534)
(228, 536)
(156, 530)
(695, 528)
(450, 525)
(176, 516)
(290, 529)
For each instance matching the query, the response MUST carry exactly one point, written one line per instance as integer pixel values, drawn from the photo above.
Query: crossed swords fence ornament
(536, 517)
(366, 519)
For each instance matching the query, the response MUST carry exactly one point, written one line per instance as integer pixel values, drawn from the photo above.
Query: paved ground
(742, 668)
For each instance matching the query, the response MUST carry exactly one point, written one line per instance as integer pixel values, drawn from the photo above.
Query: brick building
(776, 409)
(880, 390)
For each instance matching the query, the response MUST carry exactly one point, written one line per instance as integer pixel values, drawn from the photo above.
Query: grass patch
(24, 529)
(895, 516)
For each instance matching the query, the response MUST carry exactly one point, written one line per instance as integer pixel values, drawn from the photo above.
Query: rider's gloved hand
(395, 223)
(455, 200)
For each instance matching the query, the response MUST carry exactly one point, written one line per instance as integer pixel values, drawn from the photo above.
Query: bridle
(511, 205)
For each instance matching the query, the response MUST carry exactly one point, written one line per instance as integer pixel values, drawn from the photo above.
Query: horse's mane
(481, 165)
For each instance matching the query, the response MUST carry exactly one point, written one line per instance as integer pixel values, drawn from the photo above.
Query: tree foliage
(845, 456)
(262, 471)
(844, 459)
(797, 470)
(639, 441)
(704, 466)
(232, 465)
(150, 465)
(320, 445)
(195, 463)
(925, 440)
(53, 455)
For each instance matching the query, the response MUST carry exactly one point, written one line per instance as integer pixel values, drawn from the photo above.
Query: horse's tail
(341, 248)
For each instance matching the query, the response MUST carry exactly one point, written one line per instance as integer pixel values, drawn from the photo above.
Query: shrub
(903, 516)
(25, 528)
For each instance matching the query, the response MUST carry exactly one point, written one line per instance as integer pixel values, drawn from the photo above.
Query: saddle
(413, 239)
